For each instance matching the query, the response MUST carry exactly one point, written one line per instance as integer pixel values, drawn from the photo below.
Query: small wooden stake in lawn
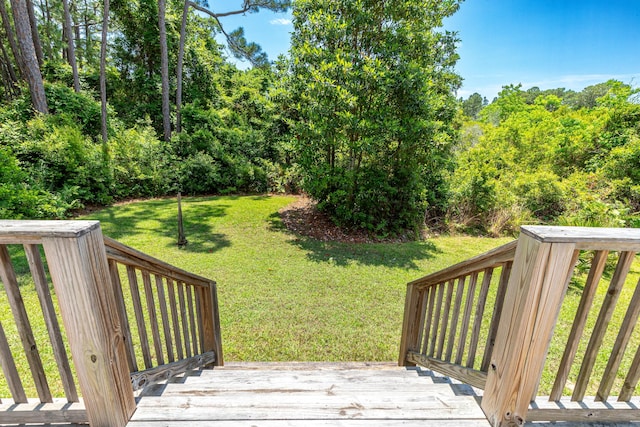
(182, 240)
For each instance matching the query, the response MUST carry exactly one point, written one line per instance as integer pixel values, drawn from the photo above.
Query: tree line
(107, 100)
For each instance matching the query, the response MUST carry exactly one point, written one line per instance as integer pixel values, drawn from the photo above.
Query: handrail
(528, 299)
(173, 312)
(180, 312)
(438, 311)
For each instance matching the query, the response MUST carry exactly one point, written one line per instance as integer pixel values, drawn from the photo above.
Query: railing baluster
(477, 323)
(10, 371)
(619, 346)
(8, 277)
(429, 319)
(174, 317)
(445, 318)
(185, 323)
(122, 312)
(497, 313)
(632, 378)
(162, 302)
(51, 321)
(464, 327)
(137, 308)
(586, 301)
(436, 319)
(153, 317)
(196, 291)
(192, 320)
(455, 317)
(608, 306)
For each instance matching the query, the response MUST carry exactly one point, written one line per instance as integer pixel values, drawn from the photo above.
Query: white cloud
(280, 21)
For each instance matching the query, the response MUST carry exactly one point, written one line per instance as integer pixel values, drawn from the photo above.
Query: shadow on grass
(160, 218)
(398, 255)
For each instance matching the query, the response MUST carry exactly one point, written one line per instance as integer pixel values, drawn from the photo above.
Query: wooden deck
(310, 394)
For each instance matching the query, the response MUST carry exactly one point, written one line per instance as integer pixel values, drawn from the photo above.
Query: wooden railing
(96, 352)
(175, 310)
(523, 324)
(445, 313)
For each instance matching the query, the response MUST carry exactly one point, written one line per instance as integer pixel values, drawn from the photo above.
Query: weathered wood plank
(160, 373)
(8, 277)
(632, 378)
(51, 321)
(428, 323)
(492, 258)
(122, 314)
(33, 231)
(416, 422)
(469, 376)
(436, 320)
(586, 301)
(166, 327)
(600, 328)
(9, 370)
(133, 257)
(497, 313)
(411, 323)
(184, 321)
(445, 318)
(34, 411)
(619, 346)
(464, 327)
(153, 317)
(455, 318)
(80, 276)
(531, 307)
(137, 310)
(477, 323)
(174, 317)
(587, 410)
(587, 238)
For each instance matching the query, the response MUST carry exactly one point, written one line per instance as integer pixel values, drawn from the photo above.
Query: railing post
(532, 303)
(211, 321)
(413, 318)
(80, 276)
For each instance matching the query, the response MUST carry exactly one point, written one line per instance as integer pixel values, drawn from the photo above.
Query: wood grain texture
(51, 321)
(122, 314)
(35, 412)
(477, 323)
(466, 319)
(10, 371)
(469, 376)
(531, 307)
(308, 397)
(602, 323)
(80, 275)
(23, 325)
(160, 373)
(586, 301)
(138, 313)
(497, 313)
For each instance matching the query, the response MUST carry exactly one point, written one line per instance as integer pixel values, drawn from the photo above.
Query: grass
(284, 297)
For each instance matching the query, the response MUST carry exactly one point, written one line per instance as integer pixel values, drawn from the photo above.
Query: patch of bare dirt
(303, 217)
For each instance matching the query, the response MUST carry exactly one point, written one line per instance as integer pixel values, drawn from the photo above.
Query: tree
(71, 53)
(28, 55)
(164, 70)
(471, 106)
(374, 85)
(236, 40)
(103, 72)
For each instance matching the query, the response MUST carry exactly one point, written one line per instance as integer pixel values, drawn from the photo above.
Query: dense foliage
(373, 82)
(361, 117)
(556, 157)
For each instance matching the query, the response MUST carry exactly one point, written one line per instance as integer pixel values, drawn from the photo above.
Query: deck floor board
(271, 395)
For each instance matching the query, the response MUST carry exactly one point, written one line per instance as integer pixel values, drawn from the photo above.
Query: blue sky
(544, 43)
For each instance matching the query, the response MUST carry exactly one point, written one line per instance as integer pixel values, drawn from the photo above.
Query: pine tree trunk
(183, 36)
(35, 35)
(103, 71)
(28, 54)
(11, 79)
(71, 54)
(6, 23)
(164, 71)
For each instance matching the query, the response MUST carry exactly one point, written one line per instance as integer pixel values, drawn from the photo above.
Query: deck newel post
(411, 324)
(80, 276)
(211, 322)
(532, 303)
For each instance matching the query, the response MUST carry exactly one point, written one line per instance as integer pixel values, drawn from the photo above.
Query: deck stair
(310, 394)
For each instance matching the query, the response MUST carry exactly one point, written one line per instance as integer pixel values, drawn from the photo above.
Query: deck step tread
(313, 396)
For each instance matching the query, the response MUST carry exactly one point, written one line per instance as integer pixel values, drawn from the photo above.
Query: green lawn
(285, 297)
